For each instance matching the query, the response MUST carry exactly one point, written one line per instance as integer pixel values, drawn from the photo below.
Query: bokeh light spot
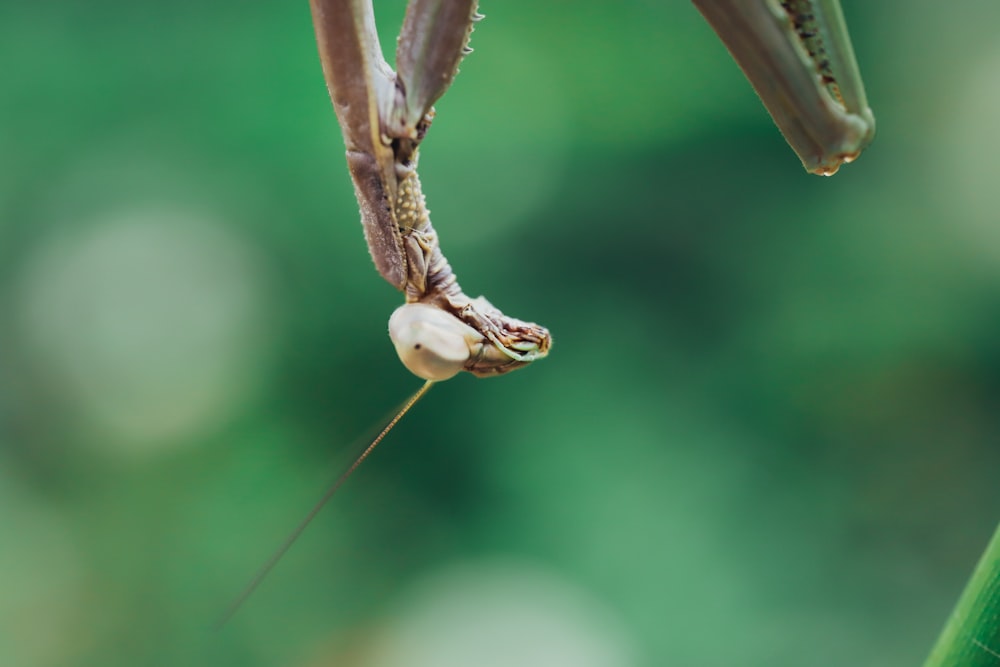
(501, 613)
(150, 321)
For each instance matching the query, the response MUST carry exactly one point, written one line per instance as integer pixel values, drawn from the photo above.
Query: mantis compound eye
(431, 343)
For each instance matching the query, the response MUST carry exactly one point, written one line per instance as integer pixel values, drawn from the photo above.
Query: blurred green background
(767, 434)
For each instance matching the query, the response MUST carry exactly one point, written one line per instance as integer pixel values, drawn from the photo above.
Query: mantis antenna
(266, 568)
(431, 343)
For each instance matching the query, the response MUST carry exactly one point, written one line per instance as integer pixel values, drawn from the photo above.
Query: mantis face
(435, 344)
(432, 343)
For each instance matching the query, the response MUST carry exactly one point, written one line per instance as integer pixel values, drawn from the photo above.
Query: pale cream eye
(431, 343)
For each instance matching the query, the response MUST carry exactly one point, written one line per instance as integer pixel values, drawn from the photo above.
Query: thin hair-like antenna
(294, 535)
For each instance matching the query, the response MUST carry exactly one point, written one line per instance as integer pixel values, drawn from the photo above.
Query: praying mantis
(796, 53)
(384, 116)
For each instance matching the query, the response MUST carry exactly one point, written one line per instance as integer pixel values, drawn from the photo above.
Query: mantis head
(435, 344)
(431, 343)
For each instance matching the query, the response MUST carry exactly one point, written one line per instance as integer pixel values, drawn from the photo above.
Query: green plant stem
(971, 638)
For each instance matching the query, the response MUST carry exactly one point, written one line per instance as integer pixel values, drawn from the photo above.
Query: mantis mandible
(796, 54)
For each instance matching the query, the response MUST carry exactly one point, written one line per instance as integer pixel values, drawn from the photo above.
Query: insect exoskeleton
(431, 343)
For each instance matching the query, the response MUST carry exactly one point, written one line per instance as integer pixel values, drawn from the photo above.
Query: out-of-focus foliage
(767, 433)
